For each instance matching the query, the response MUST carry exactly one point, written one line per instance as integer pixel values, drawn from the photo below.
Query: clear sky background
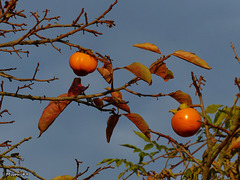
(202, 27)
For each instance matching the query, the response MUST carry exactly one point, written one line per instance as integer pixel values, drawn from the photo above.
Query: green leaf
(148, 146)
(171, 173)
(140, 71)
(212, 109)
(141, 135)
(104, 161)
(188, 173)
(9, 178)
(121, 174)
(160, 147)
(119, 162)
(135, 149)
(192, 58)
(220, 116)
(148, 46)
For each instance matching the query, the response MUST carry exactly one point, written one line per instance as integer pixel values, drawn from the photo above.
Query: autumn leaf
(192, 58)
(140, 71)
(111, 123)
(149, 47)
(54, 108)
(98, 102)
(121, 104)
(106, 71)
(76, 88)
(160, 69)
(65, 177)
(116, 94)
(140, 123)
(105, 74)
(181, 97)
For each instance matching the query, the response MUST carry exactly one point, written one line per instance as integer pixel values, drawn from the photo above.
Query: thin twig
(236, 56)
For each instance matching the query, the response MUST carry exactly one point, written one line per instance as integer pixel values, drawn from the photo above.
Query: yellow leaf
(65, 177)
(149, 47)
(192, 58)
(140, 71)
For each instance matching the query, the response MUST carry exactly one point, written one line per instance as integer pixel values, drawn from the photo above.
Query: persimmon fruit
(186, 122)
(82, 64)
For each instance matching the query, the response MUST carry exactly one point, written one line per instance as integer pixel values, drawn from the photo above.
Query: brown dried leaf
(54, 108)
(192, 58)
(50, 113)
(161, 70)
(181, 97)
(149, 47)
(140, 71)
(76, 88)
(140, 123)
(98, 102)
(105, 74)
(111, 123)
(170, 75)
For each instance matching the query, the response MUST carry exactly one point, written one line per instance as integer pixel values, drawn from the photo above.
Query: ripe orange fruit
(82, 64)
(185, 122)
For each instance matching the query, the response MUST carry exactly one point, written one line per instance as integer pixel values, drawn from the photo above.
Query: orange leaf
(140, 71)
(149, 47)
(161, 70)
(116, 94)
(140, 123)
(121, 104)
(54, 108)
(111, 123)
(192, 58)
(181, 97)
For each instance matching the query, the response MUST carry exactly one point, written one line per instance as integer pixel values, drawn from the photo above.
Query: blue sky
(203, 27)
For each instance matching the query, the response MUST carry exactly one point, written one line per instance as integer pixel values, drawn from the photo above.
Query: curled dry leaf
(54, 108)
(181, 97)
(140, 71)
(76, 88)
(111, 123)
(106, 71)
(149, 47)
(192, 58)
(140, 123)
(98, 102)
(160, 69)
(105, 74)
